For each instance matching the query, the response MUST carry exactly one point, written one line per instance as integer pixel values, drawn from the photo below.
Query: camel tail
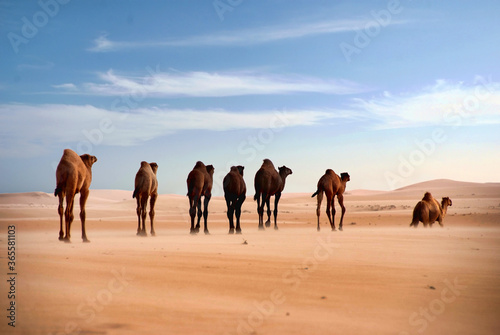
(315, 194)
(57, 191)
(135, 193)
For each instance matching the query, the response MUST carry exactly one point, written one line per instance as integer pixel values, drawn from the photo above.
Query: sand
(378, 276)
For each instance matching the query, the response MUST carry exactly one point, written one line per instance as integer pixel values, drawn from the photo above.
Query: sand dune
(378, 276)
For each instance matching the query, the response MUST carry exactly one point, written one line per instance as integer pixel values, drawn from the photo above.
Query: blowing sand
(378, 276)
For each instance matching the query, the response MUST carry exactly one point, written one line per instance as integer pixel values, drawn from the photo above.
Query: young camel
(235, 194)
(269, 182)
(332, 185)
(428, 210)
(146, 185)
(199, 183)
(73, 175)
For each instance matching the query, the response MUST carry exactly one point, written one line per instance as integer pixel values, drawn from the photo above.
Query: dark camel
(146, 185)
(332, 185)
(428, 210)
(269, 182)
(199, 183)
(235, 194)
(73, 175)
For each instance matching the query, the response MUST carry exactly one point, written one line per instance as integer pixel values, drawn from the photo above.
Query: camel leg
(138, 211)
(152, 203)
(333, 214)
(193, 201)
(205, 213)
(230, 212)
(60, 210)
(68, 215)
(144, 214)
(200, 213)
(330, 210)
(239, 203)
(318, 208)
(83, 199)
(268, 221)
(277, 197)
(340, 199)
(260, 210)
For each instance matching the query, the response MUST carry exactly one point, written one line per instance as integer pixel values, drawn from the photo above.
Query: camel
(428, 210)
(269, 182)
(146, 185)
(235, 194)
(73, 175)
(199, 183)
(332, 185)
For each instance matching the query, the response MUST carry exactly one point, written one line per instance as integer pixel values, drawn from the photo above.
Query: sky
(392, 92)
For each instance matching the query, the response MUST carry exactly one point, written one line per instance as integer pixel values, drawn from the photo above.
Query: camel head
(154, 167)
(446, 202)
(345, 176)
(284, 171)
(240, 169)
(88, 160)
(210, 170)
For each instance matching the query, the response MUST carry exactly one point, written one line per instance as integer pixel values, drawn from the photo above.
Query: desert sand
(378, 276)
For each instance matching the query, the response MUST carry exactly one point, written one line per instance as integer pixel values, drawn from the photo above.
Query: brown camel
(199, 183)
(428, 210)
(269, 182)
(235, 194)
(332, 185)
(146, 185)
(73, 175)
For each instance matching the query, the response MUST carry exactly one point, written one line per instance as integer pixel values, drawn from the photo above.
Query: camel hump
(329, 171)
(427, 196)
(144, 164)
(199, 164)
(267, 163)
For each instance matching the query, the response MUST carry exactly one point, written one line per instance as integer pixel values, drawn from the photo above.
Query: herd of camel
(74, 175)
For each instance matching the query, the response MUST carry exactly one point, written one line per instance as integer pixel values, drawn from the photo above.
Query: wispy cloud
(445, 103)
(31, 129)
(240, 37)
(206, 84)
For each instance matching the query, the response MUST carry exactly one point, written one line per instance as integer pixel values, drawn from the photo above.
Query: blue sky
(393, 92)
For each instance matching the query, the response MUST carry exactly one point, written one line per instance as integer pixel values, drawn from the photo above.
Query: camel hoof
(333, 229)
(206, 232)
(238, 231)
(86, 240)
(67, 240)
(268, 224)
(193, 232)
(340, 228)
(261, 228)
(318, 229)
(153, 233)
(61, 238)
(231, 231)
(275, 227)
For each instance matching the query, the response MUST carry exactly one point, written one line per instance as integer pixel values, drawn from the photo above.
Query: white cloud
(241, 37)
(205, 84)
(31, 129)
(444, 103)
